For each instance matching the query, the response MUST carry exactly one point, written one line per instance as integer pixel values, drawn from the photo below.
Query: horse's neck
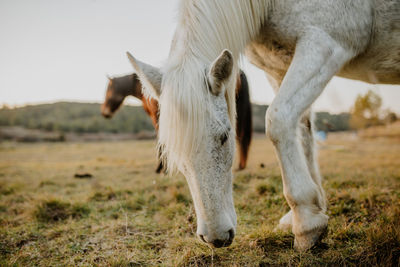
(136, 87)
(129, 85)
(206, 28)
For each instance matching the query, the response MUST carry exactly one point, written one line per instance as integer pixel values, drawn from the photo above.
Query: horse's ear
(220, 71)
(149, 76)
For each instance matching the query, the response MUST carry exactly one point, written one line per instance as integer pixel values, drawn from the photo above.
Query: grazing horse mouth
(106, 112)
(218, 243)
(107, 115)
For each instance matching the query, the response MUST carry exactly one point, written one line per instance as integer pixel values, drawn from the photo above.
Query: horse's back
(385, 42)
(370, 29)
(380, 62)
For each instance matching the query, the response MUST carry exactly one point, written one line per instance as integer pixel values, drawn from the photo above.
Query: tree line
(75, 117)
(86, 118)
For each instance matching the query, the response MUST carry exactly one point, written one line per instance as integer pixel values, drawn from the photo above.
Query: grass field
(126, 215)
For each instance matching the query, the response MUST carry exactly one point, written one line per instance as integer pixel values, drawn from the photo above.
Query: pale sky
(62, 50)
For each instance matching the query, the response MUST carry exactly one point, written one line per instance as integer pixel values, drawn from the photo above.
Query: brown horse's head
(117, 90)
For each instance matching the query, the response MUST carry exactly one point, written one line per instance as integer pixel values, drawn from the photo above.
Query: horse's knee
(304, 195)
(279, 124)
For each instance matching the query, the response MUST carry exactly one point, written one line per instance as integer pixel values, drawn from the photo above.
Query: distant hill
(76, 117)
(67, 117)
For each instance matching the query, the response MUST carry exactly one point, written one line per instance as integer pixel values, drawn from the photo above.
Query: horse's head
(113, 99)
(197, 135)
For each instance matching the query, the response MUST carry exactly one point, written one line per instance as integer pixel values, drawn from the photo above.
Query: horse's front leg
(317, 58)
(308, 142)
(307, 139)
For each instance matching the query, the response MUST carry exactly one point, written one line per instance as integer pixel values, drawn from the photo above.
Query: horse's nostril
(218, 243)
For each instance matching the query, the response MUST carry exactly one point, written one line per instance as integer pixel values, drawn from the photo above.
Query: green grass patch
(6, 189)
(52, 211)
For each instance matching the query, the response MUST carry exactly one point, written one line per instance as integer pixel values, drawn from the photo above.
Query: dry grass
(385, 131)
(126, 215)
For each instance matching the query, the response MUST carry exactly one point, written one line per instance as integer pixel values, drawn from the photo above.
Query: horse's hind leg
(243, 152)
(160, 166)
(244, 132)
(317, 58)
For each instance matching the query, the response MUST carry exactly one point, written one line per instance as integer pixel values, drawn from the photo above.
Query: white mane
(205, 29)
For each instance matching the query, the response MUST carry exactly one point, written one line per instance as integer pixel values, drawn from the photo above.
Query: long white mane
(205, 29)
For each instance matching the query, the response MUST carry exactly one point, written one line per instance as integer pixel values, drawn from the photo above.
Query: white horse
(301, 45)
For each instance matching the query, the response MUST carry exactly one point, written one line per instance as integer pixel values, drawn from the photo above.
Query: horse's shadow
(285, 241)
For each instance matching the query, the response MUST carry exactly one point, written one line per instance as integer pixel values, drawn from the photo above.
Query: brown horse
(120, 87)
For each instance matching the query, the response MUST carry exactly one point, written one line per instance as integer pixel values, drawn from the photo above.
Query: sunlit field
(119, 212)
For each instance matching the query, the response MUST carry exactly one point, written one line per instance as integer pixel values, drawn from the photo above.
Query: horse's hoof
(310, 238)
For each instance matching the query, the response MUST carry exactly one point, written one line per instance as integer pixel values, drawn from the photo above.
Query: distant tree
(366, 111)
(5, 107)
(390, 117)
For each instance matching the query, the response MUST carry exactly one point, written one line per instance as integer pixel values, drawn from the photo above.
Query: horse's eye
(223, 138)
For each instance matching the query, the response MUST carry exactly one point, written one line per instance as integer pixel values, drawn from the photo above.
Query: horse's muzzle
(106, 115)
(219, 243)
